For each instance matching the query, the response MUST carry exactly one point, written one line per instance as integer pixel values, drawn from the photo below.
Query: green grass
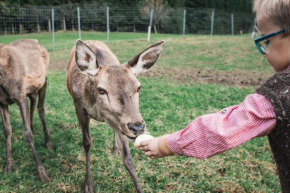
(65, 40)
(168, 102)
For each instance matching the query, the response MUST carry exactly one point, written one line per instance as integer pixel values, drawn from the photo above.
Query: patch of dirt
(192, 75)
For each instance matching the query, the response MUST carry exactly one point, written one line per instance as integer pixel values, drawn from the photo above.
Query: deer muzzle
(136, 129)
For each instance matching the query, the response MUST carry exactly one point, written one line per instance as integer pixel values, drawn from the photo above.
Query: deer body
(23, 70)
(21, 75)
(106, 91)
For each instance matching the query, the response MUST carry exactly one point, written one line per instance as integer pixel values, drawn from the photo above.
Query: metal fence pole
(184, 20)
(149, 27)
(79, 23)
(212, 18)
(232, 19)
(108, 24)
(52, 19)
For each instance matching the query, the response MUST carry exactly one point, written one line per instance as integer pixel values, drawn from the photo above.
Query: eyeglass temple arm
(256, 27)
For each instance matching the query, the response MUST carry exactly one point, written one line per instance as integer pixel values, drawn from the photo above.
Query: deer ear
(146, 59)
(85, 58)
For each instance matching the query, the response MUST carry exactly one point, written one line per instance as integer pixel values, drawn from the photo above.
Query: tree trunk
(38, 26)
(72, 25)
(5, 29)
(64, 24)
(49, 25)
(155, 29)
(20, 28)
(12, 28)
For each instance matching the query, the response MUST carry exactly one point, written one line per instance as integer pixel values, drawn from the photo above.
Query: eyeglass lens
(262, 44)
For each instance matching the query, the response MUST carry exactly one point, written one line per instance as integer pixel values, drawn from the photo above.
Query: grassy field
(195, 75)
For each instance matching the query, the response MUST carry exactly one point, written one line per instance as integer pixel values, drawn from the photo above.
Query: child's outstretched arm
(215, 133)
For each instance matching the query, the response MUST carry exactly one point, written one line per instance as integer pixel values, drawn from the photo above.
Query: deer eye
(138, 89)
(102, 91)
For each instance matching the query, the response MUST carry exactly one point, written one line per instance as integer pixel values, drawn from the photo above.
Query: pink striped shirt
(215, 133)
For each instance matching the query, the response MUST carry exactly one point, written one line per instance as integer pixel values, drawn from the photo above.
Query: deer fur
(23, 70)
(106, 91)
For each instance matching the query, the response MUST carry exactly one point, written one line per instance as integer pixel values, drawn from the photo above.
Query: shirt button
(179, 153)
(224, 111)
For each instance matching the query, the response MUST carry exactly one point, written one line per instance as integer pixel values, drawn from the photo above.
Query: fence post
(79, 23)
(212, 18)
(232, 19)
(52, 20)
(184, 20)
(108, 24)
(149, 27)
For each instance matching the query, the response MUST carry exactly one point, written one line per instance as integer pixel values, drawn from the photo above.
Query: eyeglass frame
(266, 37)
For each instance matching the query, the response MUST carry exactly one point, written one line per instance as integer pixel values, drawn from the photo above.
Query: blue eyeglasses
(262, 42)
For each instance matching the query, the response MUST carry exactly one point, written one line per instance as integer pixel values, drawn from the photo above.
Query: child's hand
(150, 148)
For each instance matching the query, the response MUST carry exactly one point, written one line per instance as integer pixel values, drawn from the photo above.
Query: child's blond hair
(277, 11)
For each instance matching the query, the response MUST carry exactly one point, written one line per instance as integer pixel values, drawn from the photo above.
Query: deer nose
(136, 128)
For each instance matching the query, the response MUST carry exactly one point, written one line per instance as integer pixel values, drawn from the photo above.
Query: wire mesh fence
(94, 17)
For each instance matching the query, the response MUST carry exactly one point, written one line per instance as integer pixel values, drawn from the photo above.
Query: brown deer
(106, 91)
(23, 70)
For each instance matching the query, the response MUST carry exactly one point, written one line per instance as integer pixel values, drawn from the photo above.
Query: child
(266, 112)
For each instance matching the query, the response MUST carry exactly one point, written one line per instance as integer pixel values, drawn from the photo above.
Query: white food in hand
(142, 137)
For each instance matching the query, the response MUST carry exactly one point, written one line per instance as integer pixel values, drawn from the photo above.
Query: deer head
(112, 90)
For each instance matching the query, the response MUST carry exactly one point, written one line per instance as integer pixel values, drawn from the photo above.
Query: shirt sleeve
(215, 133)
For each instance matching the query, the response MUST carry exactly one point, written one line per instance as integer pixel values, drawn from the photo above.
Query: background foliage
(227, 5)
(168, 17)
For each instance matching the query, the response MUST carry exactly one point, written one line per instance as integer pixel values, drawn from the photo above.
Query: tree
(160, 12)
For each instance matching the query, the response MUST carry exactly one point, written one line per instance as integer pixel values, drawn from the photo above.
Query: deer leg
(128, 163)
(23, 105)
(7, 132)
(40, 107)
(32, 98)
(115, 150)
(84, 121)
